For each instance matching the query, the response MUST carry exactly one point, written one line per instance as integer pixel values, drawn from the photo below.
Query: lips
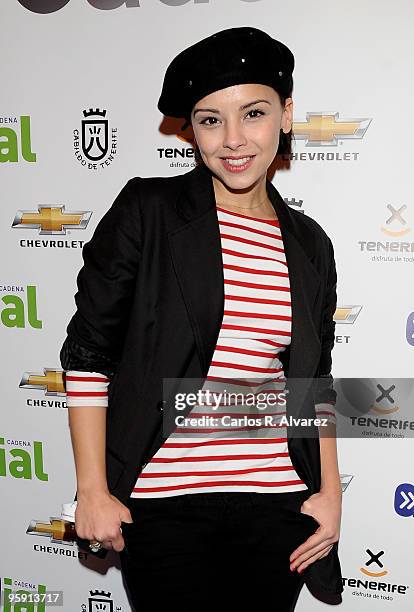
(237, 164)
(236, 156)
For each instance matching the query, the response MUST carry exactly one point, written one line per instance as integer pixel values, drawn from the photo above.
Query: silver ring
(95, 546)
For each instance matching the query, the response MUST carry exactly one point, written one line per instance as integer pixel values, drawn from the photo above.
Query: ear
(287, 116)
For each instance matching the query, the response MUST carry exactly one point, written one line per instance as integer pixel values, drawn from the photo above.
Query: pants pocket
(126, 530)
(309, 519)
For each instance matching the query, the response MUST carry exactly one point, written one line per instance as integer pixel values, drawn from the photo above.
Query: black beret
(230, 57)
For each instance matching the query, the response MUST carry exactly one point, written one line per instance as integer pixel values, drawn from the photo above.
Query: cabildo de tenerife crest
(100, 601)
(95, 143)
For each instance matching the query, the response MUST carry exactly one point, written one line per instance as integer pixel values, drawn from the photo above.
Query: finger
(327, 552)
(118, 543)
(313, 558)
(304, 558)
(107, 544)
(309, 551)
(313, 540)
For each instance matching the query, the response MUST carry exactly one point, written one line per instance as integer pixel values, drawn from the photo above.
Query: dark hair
(285, 140)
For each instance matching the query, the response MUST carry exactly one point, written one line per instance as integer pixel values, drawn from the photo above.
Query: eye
(203, 122)
(256, 110)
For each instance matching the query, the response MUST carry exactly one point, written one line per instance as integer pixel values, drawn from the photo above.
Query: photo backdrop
(67, 64)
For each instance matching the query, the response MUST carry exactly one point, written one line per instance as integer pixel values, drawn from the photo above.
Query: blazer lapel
(196, 253)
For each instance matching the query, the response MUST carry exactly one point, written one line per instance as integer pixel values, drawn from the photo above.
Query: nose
(234, 136)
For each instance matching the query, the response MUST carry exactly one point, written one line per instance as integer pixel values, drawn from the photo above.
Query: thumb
(126, 516)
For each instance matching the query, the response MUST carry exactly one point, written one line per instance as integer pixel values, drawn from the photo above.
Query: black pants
(215, 550)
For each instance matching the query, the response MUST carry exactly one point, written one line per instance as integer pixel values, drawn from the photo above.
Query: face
(237, 131)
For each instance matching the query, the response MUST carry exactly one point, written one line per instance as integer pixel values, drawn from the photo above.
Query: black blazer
(150, 304)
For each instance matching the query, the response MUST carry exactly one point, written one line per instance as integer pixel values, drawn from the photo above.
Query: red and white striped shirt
(239, 452)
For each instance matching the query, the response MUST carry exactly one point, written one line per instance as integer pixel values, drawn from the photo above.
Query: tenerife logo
(94, 147)
(370, 406)
(385, 402)
(10, 149)
(51, 6)
(181, 157)
(404, 499)
(51, 385)
(15, 312)
(370, 586)
(394, 226)
(374, 566)
(17, 462)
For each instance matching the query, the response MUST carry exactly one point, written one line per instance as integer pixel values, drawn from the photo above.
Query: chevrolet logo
(51, 219)
(324, 129)
(57, 530)
(51, 381)
(345, 481)
(346, 314)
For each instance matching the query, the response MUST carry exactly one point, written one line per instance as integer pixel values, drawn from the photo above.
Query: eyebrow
(214, 110)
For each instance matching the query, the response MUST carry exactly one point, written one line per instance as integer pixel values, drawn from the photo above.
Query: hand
(326, 508)
(98, 517)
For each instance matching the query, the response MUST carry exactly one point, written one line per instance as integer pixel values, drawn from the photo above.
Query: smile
(238, 165)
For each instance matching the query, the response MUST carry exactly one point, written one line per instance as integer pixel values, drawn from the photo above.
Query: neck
(251, 197)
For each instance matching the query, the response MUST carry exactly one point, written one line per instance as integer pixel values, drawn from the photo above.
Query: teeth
(238, 162)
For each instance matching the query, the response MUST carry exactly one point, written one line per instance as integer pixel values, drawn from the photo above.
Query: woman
(200, 279)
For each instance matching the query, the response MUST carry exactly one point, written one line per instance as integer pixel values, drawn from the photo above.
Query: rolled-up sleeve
(105, 287)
